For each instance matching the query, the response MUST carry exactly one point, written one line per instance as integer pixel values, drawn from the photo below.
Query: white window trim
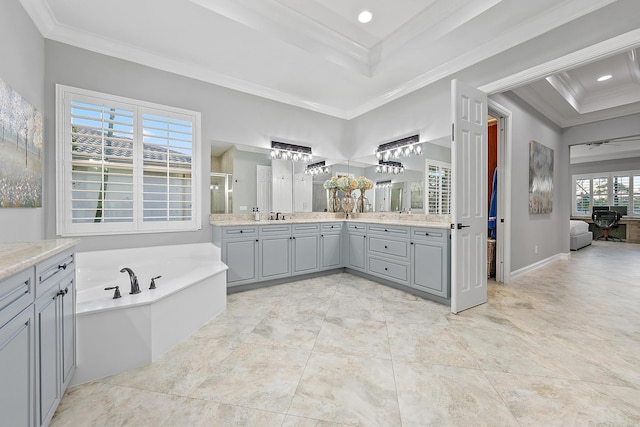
(63, 170)
(609, 175)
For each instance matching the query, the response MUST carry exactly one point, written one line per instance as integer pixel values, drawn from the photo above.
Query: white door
(469, 197)
(263, 175)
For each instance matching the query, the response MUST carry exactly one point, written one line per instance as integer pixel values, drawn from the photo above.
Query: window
(438, 184)
(610, 189)
(125, 166)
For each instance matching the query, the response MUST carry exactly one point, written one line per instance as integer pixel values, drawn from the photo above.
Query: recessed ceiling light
(604, 78)
(365, 16)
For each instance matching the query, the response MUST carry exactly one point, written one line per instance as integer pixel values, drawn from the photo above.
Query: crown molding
(131, 53)
(41, 15)
(604, 49)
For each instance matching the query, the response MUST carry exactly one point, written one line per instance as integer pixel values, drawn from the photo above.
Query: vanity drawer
(237, 232)
(383, 246)
(433, 234)
(306, 228)
(398, 272)
(356, 228)
(389, 230)
(49, 272)
(16, 293)
(275, 230)
(329, 227)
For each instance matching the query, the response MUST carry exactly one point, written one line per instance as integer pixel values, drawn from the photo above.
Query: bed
(579, 235)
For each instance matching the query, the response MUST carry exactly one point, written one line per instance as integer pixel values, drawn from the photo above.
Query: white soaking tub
(115, 335)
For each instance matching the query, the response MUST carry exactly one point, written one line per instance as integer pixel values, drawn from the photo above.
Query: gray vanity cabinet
(55, 332)
(275, 251)
(17, 353)
(239, 247)
(430, 264)
(331, 245)
(357, 246)
(388, 254)
(306, 247)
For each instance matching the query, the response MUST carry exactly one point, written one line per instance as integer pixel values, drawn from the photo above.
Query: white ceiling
(314, 54)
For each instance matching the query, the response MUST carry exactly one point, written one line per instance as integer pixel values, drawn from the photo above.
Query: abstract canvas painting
(540, 178)
(21, 150)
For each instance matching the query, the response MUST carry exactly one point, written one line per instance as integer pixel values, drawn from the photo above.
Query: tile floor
(560, 346)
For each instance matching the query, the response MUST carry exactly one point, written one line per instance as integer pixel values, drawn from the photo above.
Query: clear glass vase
(334, 201)
(362, 202)
(348, 203)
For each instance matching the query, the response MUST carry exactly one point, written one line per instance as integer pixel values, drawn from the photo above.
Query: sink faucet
(135, 287)
(278, 215)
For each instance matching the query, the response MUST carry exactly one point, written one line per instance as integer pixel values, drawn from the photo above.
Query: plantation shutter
(167, 176)
(102, 163)
(438, 183)
(124, 166)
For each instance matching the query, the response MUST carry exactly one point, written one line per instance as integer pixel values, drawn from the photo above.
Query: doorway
(502, 163)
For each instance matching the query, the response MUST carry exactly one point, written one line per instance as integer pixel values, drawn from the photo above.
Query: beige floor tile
(97, 404)
(347, 389)
(255, 376)
(539, 401)
(448, 396)
(296, 330)
(357, 307)
(203, 413)
(367, 338)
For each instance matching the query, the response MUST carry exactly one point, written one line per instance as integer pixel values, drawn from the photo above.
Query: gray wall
(628, 164)
(550, 232)
(22, 67)
(227, 115)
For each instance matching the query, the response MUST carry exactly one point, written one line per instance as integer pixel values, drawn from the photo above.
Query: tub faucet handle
(153, 282)
(116, 294)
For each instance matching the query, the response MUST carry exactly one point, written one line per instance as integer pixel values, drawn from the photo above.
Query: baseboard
(533, 267)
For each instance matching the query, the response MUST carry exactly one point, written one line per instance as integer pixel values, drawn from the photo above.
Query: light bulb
(418, 149)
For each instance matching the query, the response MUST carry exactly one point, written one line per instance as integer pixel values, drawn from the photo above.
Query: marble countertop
(15, 257)
(406, 221)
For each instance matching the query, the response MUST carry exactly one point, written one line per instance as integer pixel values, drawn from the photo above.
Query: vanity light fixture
(604, 78)
(285, 151)
(390, 167)
(318, 168)
(383, 184)
(404, 147)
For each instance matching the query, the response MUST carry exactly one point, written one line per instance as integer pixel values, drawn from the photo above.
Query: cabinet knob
(412, 243)
(322, 235)
(426, 234)
(256, 240)
(62, 266)
(364, 237)
(386, 229)
(385, 269)
(385, 246)
(242, 231)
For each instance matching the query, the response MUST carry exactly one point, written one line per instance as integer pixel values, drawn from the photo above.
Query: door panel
(469, 196)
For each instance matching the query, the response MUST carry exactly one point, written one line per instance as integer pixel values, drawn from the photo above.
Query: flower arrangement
(347, 184)
(364, 183)
(331, 183)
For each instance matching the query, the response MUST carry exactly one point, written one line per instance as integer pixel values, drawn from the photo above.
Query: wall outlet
(535, 249)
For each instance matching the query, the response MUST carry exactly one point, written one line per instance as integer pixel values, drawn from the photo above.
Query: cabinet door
(357, 251)
(429, 267)
(275, 257)
(68, 329)
(305, 253)
(47, 360)
(241, 258)
(331, 251)
(16, 370)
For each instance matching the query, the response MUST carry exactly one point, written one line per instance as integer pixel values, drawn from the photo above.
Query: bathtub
(115, 335)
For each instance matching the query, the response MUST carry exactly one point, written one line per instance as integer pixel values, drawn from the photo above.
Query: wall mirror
(244, 177)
